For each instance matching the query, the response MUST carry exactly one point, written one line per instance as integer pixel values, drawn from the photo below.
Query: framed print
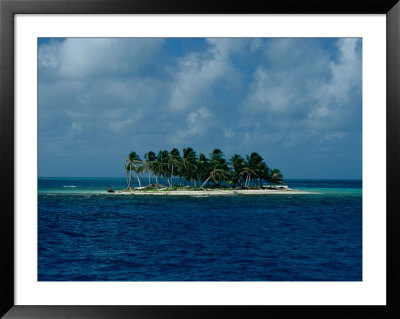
(249, 147)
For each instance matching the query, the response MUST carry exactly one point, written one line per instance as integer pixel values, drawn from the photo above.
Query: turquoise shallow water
(84, 235)
(96, 185)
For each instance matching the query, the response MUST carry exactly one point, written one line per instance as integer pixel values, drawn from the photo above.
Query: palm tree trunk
(167, 180)
(206, 181)
(130, 176)
(156, 178)
(132, 180)
(149, 175)
(138, 178)
(172, 173)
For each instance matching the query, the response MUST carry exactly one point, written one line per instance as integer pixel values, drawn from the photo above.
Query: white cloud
(229, 133)
(345, 81)
(272, 96)
(77, 58)
(198, 73)
(196, 121)
(118, 126)
(196, 126)
(48, 56)
(74, 130)
(195, 78)
(271, 92)
(313, 89)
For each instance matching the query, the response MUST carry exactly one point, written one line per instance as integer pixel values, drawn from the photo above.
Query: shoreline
(208, 192)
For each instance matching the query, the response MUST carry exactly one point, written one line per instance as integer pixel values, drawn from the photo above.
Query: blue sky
(297, 102)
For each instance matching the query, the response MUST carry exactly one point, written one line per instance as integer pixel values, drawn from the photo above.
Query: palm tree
(193, 168)
(189, 160)
(138, 169)
(202, 168)
(276, 176)
(174, 160)
(128, 170)
(217, 176)
(251, 168)
(150, 158)
(162, 165)
(264, 173)
(219, 170)
(158, 166)
(217, 157)
(248, 172)
(254, 162)
(133, 160)
(238, 164)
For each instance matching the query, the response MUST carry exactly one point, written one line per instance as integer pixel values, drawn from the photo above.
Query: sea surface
(85, 234)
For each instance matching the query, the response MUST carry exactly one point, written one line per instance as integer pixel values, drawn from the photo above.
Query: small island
(197, 175)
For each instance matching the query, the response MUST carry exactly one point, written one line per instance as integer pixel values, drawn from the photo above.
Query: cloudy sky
(297, 102)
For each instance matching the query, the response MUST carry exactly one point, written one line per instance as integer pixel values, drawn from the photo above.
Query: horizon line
(145, 176)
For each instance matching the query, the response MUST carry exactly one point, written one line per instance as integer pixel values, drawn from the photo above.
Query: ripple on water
(263, 238)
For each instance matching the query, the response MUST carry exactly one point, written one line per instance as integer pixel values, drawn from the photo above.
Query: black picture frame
(8, 8)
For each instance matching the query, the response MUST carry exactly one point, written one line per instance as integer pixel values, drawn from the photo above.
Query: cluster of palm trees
(198, 170)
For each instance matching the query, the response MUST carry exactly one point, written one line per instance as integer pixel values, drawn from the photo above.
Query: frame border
(8, 8)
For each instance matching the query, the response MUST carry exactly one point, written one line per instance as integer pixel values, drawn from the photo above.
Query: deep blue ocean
(85, 234)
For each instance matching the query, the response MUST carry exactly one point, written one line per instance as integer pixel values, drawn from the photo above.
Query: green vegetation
(200, 171)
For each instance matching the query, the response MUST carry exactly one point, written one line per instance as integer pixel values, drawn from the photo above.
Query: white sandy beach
(211, 192)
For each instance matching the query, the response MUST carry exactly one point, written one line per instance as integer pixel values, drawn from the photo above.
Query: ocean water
(85, 234)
